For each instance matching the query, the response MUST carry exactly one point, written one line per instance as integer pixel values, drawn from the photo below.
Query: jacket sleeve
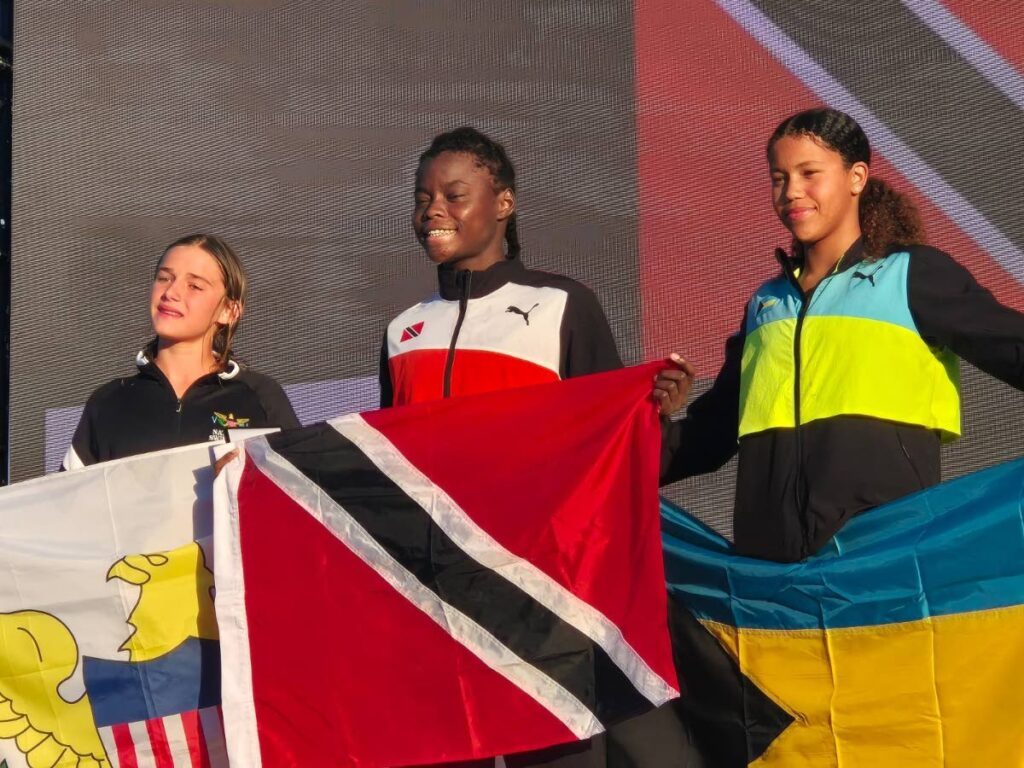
(953, 310)
(587, 340)
(276, 405)
(82, 451)
(387, 394)
(707, 437)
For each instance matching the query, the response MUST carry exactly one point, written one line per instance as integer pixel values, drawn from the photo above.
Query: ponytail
(888, 220)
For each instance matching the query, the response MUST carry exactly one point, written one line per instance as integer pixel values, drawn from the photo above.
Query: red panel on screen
(708, 96)
(998, 24)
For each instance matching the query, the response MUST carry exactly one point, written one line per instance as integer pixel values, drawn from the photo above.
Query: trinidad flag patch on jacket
(445, 581)
(412, 331)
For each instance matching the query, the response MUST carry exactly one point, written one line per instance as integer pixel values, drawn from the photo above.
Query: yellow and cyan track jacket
(837, 401)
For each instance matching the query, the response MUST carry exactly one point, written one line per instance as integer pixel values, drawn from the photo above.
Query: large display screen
(637, 129)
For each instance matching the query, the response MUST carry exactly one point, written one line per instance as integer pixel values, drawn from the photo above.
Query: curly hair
(889, 220)
(488, 153)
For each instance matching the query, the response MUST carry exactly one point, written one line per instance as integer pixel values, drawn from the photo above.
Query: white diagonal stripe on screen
(974, 50)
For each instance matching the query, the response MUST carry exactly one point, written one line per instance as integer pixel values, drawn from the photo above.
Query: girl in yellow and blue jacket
(842, 382)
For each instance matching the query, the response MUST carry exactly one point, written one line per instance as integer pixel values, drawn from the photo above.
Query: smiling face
(814, 193)
(460, 216)
(187, 301)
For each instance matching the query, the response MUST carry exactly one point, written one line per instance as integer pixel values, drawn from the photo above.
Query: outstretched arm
(953, 310)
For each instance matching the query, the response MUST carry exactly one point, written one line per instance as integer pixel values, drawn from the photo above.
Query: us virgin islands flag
(901, 644)
(108, 639)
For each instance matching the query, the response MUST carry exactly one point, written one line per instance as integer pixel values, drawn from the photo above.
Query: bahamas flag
(900, 645)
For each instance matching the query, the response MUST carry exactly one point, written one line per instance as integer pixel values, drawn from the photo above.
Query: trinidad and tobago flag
(445, 581)
(412, 331)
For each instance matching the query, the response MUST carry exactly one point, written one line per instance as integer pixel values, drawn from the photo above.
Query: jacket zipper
(798, 481)
(807, 298)
(463, 305)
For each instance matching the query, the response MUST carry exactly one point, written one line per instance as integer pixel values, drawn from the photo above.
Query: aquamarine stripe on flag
(954, 548)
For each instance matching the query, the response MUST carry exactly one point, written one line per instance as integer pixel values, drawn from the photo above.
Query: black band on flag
(407, 533)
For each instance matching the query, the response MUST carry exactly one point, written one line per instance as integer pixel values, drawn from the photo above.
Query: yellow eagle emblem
(38, 654)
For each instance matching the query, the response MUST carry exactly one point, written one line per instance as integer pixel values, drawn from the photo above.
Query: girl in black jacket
(187, 389)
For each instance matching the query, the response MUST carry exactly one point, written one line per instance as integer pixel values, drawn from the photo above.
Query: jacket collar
(455, 284)
(791, 266)
(149, 369)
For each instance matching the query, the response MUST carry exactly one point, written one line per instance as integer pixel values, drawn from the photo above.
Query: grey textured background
(292, 129)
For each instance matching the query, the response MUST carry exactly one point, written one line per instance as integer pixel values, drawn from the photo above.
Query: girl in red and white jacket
(493, 324)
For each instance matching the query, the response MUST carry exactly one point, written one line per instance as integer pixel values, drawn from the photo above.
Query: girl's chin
(803, 235)
(438, 255)
(449, 259)
(167, 337)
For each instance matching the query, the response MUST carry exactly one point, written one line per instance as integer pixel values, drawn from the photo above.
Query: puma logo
(870, 277)
(518, 311)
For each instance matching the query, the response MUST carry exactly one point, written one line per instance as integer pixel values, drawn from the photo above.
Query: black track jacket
(140, 413)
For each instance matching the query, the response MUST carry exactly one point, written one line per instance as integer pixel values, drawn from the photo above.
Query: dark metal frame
(6, 90)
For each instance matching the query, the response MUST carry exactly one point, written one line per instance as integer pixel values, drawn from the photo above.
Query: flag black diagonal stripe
(399, 525)
(731, 720)
(923, 90)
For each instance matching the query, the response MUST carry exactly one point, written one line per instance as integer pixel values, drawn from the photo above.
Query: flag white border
(240, 729)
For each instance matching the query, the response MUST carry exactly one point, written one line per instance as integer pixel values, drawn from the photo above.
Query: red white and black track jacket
(503, 327)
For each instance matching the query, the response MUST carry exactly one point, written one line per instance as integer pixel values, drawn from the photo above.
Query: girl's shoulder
(539, 278)
(926, 264)
(122, 386)
(417, 308)
(251, 379)
(919, 252)
(272, 398)
(580, 299)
